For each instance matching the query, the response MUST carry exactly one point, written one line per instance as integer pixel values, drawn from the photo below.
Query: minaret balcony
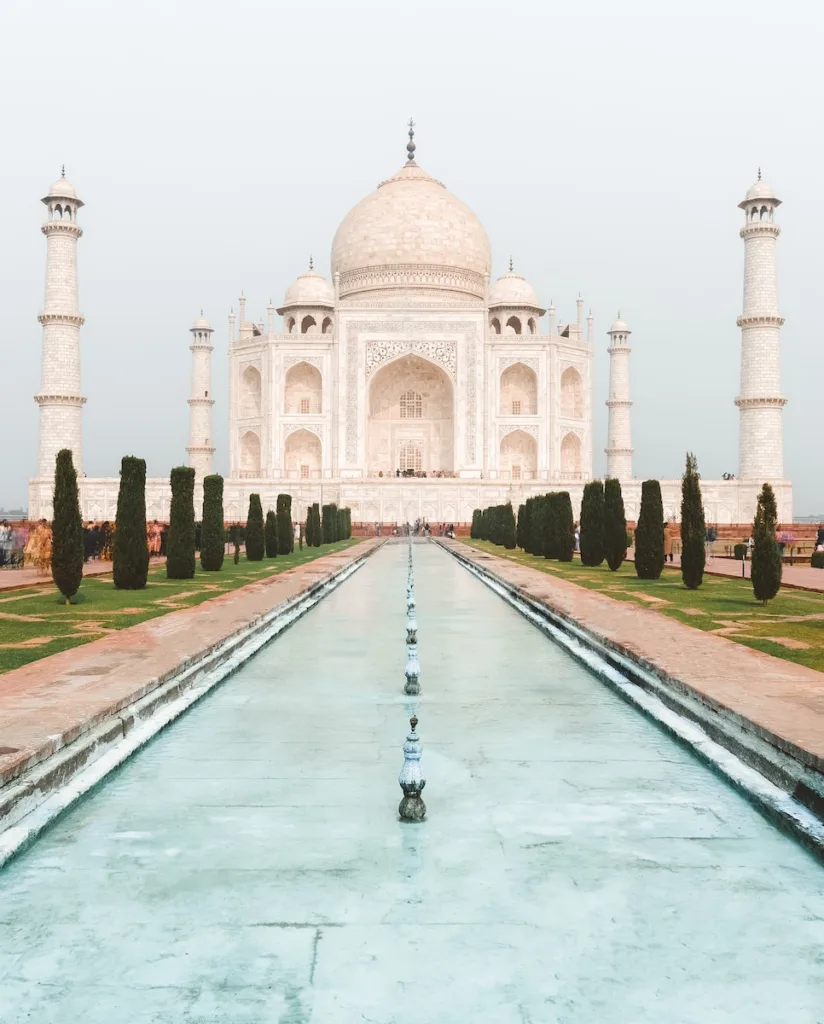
(74, 319)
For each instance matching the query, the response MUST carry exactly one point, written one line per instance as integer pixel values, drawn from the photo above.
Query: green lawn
(36, 622)
(791, 626)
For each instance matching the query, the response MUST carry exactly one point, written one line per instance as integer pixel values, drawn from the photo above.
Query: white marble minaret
(761, 451)
(59, 398)
(200, 446)
(619, 431)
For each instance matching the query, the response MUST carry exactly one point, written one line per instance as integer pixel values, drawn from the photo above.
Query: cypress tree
(310, 524)
(317, 532)
(550, 549)
(67, 528)
(693, 527)
(537, 524)
(766, 558)
(213, 531)
(615, 525)
(270, 535)
(520, 526)
(592, 523)
(286, 533)
(508, 531)
(130, 550)
(255, 542)
(529, 511)
(649, 534)
(349, 524)
(565, 527)
(473, 530)
(180, 546)
(326, 524)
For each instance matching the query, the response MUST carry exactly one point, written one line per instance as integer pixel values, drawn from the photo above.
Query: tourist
(6, 541)
(38, 551)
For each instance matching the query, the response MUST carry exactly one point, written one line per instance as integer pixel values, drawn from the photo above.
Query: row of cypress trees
(546, 526)
(496, 524)
(272, 536)
(327, 525)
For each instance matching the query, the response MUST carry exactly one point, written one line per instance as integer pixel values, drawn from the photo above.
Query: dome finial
(63, 171)
(759, 174)
(410, 146)
(311, 261)
(510, 264)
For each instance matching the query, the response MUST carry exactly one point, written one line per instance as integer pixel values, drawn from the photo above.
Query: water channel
(576, 866)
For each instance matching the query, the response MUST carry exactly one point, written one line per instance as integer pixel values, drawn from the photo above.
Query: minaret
(200, 446)
(59, 398)
(619, 432)
(761, 448)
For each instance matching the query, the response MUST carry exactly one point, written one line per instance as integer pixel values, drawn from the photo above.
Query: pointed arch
(326, 326)
(303, 389)
(308, 325)
(519, 391)
(495, 325)
(250, 454)
(513, 325)
(518, 455)
(250, 393)
(571, 456)
(572, 394)
(302, 455)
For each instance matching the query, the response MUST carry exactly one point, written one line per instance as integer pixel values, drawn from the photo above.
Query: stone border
(789, 792)
(42, 792)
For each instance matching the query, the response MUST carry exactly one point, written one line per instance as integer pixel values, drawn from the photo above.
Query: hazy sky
(605, 145)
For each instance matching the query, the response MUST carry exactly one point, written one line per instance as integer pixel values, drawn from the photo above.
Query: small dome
(759, 190)
(513, 290)
(310, 289)
(619, 327)
(63, 189)
(201, 324)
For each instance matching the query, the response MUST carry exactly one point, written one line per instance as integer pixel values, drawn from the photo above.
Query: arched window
(572, 394)
(303, 392)
(290, 325)
(308, 325)
(326, 326)
(571, 456)
(250, 392)
(495, 324)
(513, 325)
(763, 213)
(250, 454)
(519, 391)
(531, 325)
(410, 456)
(754, 214)
(58, 212)
(411, 406)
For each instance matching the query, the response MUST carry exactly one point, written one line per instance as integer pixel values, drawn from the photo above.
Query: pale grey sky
(605, 145)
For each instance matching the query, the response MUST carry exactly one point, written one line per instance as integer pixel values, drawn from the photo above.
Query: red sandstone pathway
(13, 579)
(785, 701)
(49, 703)
(802, 576)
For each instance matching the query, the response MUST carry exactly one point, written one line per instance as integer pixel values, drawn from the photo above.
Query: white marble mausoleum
(411, 384)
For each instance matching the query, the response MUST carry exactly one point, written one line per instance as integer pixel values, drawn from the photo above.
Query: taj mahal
(411, 385)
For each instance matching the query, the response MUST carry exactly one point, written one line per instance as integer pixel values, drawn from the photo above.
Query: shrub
(286, 534)
(67, 528)
(565, 527)
(592, 523)
(537, 524)
(130, 551)
(649, 533)
(270, 535)
(615, 525)
(766, 558)
(255, 542)
(180, 545)
(327, 525)
(693, 527)
(212, 533)
(739, 552)
(817, 560)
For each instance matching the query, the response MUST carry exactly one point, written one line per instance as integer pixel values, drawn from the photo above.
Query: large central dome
(411, 234)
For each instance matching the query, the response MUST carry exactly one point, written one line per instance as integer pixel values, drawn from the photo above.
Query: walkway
(803, 576)
(576, 866)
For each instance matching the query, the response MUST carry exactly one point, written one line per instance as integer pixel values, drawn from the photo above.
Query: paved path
(802, 576)
(14, 579)
(784, 700)
(50, 702)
